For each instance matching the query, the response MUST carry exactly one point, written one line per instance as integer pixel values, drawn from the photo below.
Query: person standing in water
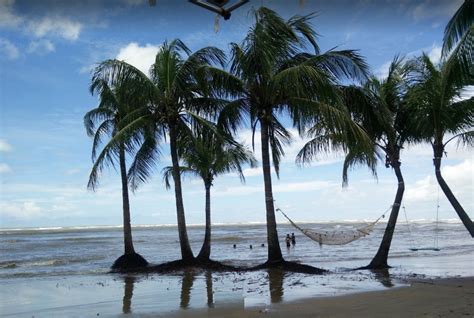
(288, 240)
(293, 239)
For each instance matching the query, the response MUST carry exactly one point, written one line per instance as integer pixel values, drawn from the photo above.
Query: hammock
(336, 237)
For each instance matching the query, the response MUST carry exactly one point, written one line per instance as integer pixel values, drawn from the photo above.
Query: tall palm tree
(278, 78)
(208, 156)
(441, 113)
(177, 92)
(379, 108)
(106, 120)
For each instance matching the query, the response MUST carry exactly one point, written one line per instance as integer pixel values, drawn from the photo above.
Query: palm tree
(278, 78)
(207, 157)
(177, 92)
(379, 108)
(459, 31)
(106, 120)
(439, 111)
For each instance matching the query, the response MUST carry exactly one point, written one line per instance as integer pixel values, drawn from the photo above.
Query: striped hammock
(336, 237)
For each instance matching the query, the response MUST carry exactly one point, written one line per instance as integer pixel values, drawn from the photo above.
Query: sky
(48, 49)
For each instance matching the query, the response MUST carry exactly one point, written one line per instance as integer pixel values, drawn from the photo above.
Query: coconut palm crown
(279, 78)
(442, 114)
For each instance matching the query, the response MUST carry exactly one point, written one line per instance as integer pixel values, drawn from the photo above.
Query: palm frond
(345, 64)
(303, 26)
(278, 137)
(106, 128)
(107, 157)
(94, 116)
(354, 159)
(167, 173)
(459, 24)
(465, 139)
(144, 161)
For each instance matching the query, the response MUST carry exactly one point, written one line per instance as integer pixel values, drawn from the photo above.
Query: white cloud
(460, 178)
(57, 26)
(53, 25)
(461, 174)
(142, 57)
(466, 93)
(382, 71)
(5, 146)
(20, 210)
(8, 49)
(281, 187)
(7, 17)
(435, 54)
(422, 190)
(4, 168)
(252, 172)
(41, 47)
(306, 186)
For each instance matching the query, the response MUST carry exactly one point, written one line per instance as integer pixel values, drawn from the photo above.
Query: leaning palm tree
(106, 120)
(207, 156)
(177, 92)
(441, 113)
(279, 78)
(380, 109)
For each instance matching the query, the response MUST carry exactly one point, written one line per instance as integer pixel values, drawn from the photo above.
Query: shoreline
(439, 297)
(214, 295)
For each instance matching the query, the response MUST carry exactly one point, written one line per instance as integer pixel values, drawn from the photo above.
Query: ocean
(72, 264)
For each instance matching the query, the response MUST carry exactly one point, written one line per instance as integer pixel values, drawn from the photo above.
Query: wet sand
(262, 294)
(451, 297)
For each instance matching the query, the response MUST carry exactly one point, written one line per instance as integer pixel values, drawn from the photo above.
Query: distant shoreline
(138, 226)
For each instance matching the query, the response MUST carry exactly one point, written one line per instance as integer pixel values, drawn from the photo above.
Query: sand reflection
(275, 284)
(186, 287)
(210, 293)
(129, 282)
(383, 276)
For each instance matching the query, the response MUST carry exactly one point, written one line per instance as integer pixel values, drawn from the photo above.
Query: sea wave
(228, 239)
(7, 231)
(46, 262)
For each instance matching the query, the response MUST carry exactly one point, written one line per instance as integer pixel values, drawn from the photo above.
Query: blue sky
(48, 48)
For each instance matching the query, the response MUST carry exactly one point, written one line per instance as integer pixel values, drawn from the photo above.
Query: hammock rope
(336, 237)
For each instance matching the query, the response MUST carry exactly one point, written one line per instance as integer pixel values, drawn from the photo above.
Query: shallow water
(72, 264)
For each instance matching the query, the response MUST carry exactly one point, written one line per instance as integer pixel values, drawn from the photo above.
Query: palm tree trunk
(186, 252)
(127, 228)
(205, 252)
(380, 259)
(274, 251)
(466, 220)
